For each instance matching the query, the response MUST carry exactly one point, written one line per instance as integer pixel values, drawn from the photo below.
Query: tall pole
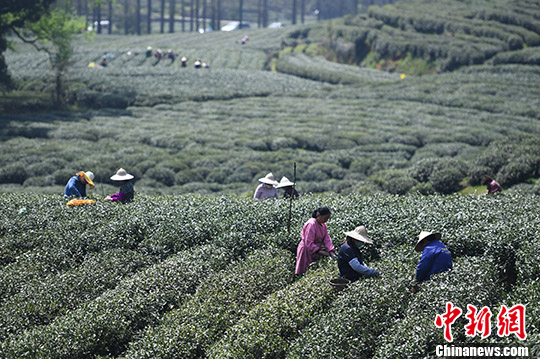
(290, 200)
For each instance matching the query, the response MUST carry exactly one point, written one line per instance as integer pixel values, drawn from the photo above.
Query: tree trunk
(110, 16)
(196, 15)
(293, 12)
(265, 13)
(149, 18)
(218, 14)
(183, 15)
(85, 14)
(93, 18)
(162, 17)
(191, 16)
(204, 2)
(79, 7)
(302, 10)
(240, 12)
(138, 17)
(213, 14)
(126, 13)
(98, 13)
(171, 18)
(259, 14)
(59, 100)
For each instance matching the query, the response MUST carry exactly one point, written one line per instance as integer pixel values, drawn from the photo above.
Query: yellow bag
(79, 202)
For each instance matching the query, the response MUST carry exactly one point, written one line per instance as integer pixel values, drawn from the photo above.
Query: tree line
(137, 16)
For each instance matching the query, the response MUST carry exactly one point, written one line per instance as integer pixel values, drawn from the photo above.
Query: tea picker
(350, 259)
(435, 258)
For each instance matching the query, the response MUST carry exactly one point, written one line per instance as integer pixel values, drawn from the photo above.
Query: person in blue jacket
(76, 186)
(435, 258)
(350, 260)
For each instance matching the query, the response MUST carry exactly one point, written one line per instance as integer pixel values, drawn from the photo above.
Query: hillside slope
(348, 128)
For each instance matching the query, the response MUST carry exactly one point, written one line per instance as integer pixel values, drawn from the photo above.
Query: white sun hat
(284, 183)
(360, 234)
(426, 235)
(121, 175)
(269, 179)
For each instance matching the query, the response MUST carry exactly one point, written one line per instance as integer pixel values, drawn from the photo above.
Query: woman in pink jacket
(315, 242)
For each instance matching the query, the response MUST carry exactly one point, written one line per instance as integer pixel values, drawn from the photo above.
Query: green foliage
(349, 328)
(446, 181)
(14, 173)
(231, 124)
(13, 15)
(56, 31)
(472, 281)
(218, 303)
(190, 272)
(268, 329)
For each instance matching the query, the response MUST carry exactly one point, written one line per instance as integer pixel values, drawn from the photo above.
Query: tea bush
(446, 181)
(473, 280)
(107, 323)
(349, 328)
(39, 301)
(268, 329)
(104, 279)
(219, 302)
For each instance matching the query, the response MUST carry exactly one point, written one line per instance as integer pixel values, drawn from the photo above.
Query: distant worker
(288, 188)
(148, 51)
(76, 186)
(245, 39)
(126, 192)
(183, 61)
(197, 64)
(492, 185)
(435, 258)
(103, 62)
(350, 260)
(205, 65)
(266, 188)
(315, 242)
(170, 55)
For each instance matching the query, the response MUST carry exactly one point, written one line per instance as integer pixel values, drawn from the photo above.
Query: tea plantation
(391, 116)
(207, 276)
(416, 97)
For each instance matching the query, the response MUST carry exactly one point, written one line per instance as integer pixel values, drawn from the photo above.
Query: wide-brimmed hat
(183, 58)
(269, 179)
(121, 175)
(88, 177)
(360, 234)
(284, 183)
(425, 235)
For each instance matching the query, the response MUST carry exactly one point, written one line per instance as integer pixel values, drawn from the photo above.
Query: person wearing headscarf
(76, 186)
(288, 188)
(350, 260)
(491, 185)
(435, 258)
(126, 192)
(266, 188)
(315, 242)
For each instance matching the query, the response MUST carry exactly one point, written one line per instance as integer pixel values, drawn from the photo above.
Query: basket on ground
(339, 283)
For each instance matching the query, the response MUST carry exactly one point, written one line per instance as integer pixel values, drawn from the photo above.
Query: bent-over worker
(350, 260)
